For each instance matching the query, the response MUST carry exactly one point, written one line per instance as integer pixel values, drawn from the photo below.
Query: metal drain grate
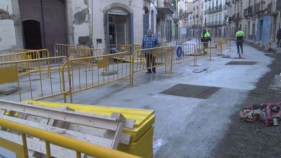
(241, 63)
(191, 91)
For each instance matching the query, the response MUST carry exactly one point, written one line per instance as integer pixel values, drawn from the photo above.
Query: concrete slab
(108, 73)
(226, 56)
(6, 90)
(276, 83)
(200, 70)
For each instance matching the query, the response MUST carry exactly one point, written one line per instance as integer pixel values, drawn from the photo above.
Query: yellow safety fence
(25, 55)
(185, 53)
(44, 83)
(18, 50)
(126, 47)
(23, 68)
(225, 45)
(76, 51)
(79, 74)
(90, 72)
(150, 59)
(80, 147)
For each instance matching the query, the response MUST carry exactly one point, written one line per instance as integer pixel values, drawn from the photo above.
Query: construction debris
(267, 113)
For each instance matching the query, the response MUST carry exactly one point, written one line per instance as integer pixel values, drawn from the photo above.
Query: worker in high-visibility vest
(239, 41)
(205, 38)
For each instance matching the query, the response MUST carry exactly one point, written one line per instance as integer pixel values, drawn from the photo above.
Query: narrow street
(193, 126)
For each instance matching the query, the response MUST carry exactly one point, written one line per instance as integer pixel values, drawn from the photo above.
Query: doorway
(119, 25)
(46, 16)
(32, 34)
(260, 30)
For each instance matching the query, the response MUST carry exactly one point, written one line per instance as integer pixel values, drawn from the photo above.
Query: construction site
(84, 102)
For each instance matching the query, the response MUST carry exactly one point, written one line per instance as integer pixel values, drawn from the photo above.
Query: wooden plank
(2, 112)
(117, 136)
(88, 130)
(69, 116)
(39, 146)
(128, 123)
(72, 134)
(125, 138)
(7, 103)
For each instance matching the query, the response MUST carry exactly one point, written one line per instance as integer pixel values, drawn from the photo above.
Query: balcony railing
(238, 16)
(214, 9)
(165, 7)
(233, 17)
(246, 12)
(216, 23)
(278, 5)
(250, 10)
(257, 7)
(269, 8)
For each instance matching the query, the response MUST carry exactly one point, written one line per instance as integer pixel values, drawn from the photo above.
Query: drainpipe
(43, 24)
(91, 24)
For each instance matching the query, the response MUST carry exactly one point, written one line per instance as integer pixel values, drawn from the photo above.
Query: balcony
(164, 7)
(207, 11)
(233, 17)
(269, 8)
(246, 12)
(195, 26)
(278, 5)
(214, 9)
(238, 16)
(250, 10)
(257, 7)
(227, 3)
(216, 23)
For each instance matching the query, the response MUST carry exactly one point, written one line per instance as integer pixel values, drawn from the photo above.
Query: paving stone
(105, 73)
(9, 90)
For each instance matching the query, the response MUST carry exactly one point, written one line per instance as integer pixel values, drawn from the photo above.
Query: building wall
(8, 38)
(81, 13)
(135, 7)
(84, 18)
(263, 30)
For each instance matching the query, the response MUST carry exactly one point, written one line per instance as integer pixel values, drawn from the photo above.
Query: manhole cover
(241, 63)
(191, 91)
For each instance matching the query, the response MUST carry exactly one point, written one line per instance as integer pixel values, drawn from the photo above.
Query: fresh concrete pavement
(192, 126)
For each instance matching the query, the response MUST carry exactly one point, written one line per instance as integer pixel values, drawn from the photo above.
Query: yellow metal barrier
(106, 70)
(184, 53)
(226, 45)
(19, 50)
(66, 50)
(144, 59)
(96, 51)
(44, 83)
(78, 52)
(125, 47)
(21, 151)
(27, 55)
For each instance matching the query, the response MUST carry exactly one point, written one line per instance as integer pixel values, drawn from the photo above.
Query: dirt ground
(254, 139)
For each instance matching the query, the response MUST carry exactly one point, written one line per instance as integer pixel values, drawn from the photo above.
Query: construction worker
(239, 41)
(205, 38)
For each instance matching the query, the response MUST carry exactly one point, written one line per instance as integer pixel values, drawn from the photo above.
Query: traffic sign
(179, 52)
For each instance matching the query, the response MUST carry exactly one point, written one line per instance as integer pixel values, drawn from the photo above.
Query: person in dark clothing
(278, 36)
(149, 41)
(205, 38)
(239, 41)
(112, 45)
